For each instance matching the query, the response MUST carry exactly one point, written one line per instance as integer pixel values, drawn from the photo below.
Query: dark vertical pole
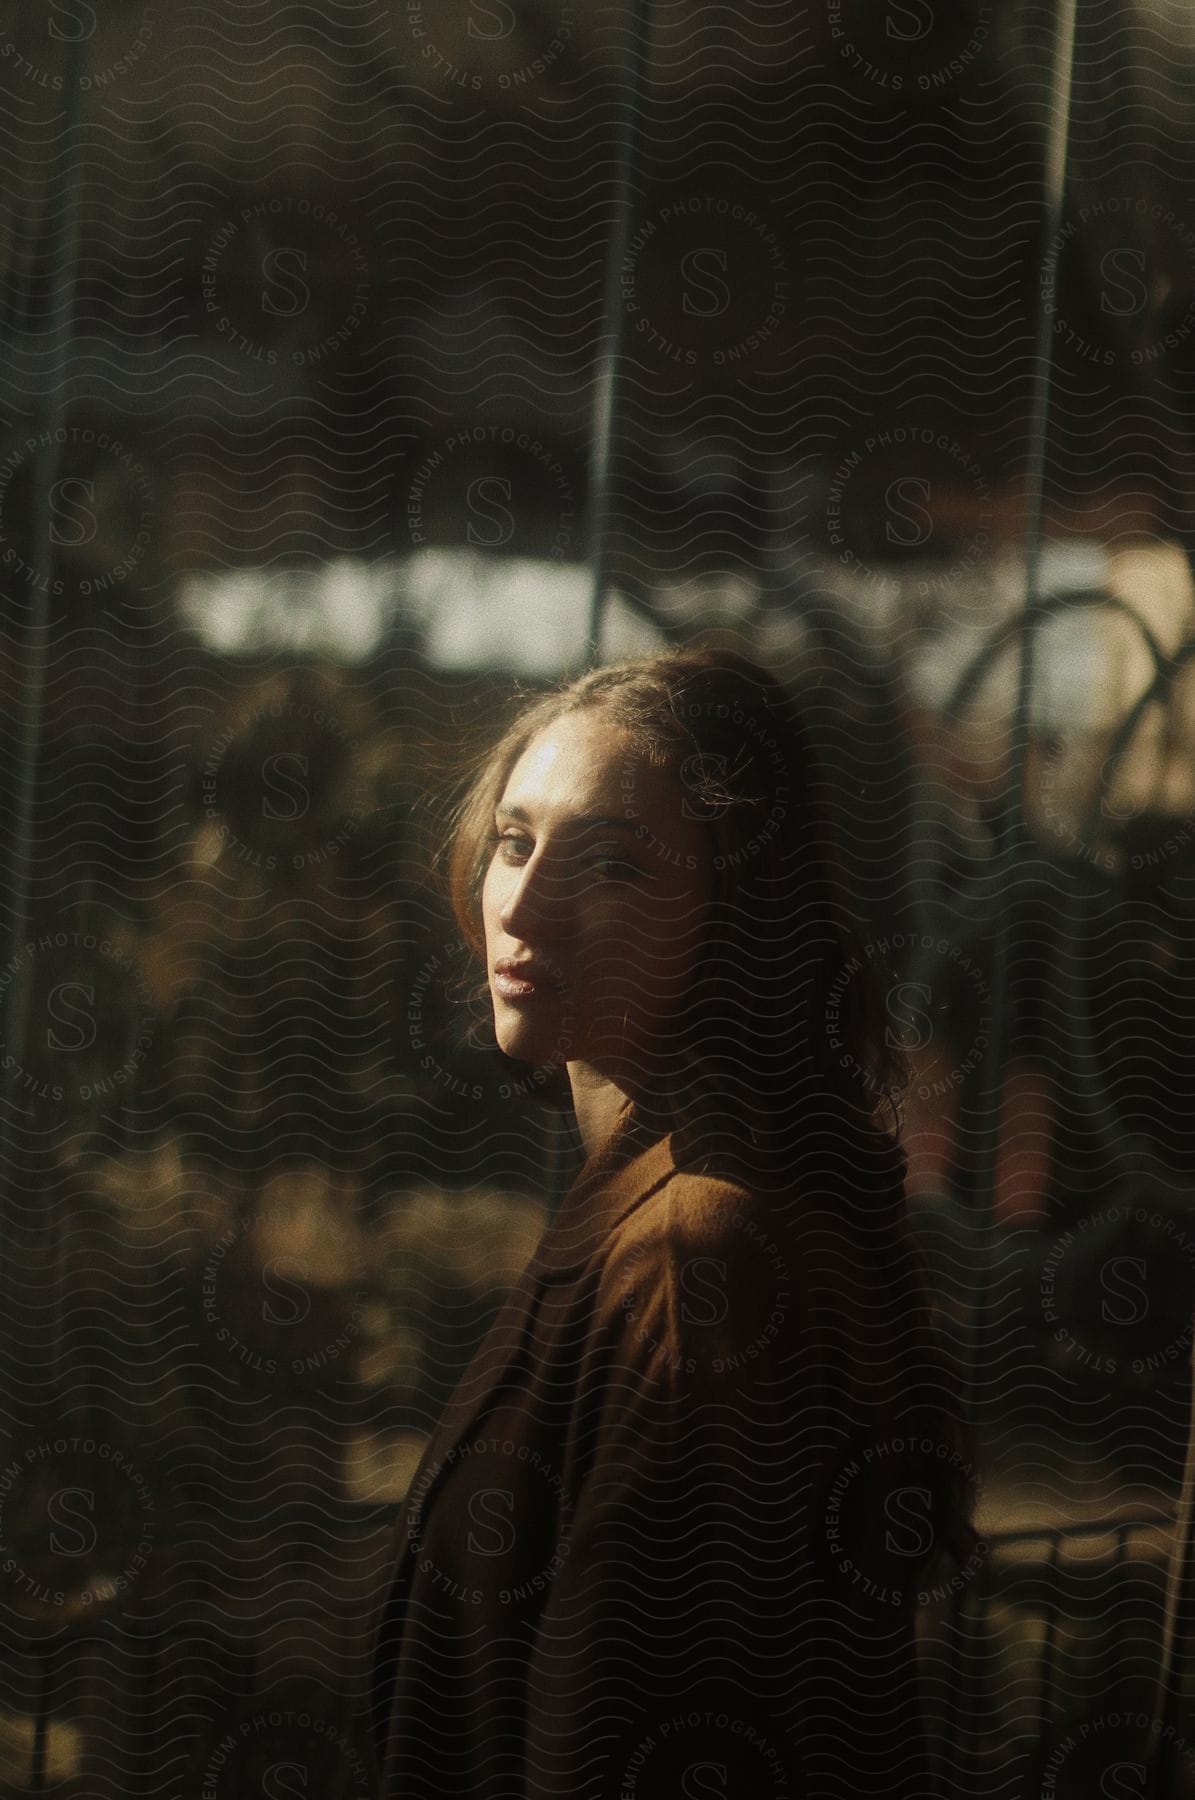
(1010, 833)
(59, 253)
(607, 384)
(610, 346)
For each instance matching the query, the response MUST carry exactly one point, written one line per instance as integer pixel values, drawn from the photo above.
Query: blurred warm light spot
(63, 1751)
(484, 1237)
(928, 1137)
(1132, 782)
(83, 1597)
(164, 1203)
(392, 1354)
(1023, 1161)
(1153, 577)
(306, 1214)
(380, 1467)
(207, 844)
(173, 955)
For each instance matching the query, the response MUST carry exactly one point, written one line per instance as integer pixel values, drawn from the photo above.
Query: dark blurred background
(307, 324)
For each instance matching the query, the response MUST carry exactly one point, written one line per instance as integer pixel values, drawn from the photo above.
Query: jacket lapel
(619, 1176)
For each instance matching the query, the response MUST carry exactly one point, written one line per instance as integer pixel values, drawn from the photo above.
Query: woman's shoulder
(690, 1198)
(696, 1286)
(760, 1232)
(828, 1194)
(826, 1239)
(704, 1243)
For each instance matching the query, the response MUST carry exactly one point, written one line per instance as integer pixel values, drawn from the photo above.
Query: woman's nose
(537, 903)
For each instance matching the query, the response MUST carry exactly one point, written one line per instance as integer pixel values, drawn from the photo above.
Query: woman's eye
(513, 847)
(616, 867)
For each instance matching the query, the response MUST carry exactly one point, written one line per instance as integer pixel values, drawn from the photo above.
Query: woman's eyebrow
(579, 822)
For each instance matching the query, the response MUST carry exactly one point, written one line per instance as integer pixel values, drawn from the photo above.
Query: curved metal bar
(1167, 670)
(972, 676)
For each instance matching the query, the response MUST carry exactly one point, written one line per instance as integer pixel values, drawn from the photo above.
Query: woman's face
(593, 904)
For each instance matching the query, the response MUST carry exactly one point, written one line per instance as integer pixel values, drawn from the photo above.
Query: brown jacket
(638, 1557)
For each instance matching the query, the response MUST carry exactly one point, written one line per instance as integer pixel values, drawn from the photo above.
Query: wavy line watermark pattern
(101, 510)
(54, 1498)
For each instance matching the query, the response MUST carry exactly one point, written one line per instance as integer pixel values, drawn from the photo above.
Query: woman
(668, 1536)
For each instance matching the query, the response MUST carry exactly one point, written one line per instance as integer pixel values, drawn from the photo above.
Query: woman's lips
(522, 981)
(512, 988)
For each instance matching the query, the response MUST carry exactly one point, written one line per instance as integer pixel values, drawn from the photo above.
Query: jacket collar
(621, 1173)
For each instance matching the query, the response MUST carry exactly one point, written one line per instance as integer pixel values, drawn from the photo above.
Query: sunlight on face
(593, 903)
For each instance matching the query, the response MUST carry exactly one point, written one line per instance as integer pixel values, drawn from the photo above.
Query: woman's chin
(537, 1033)
(522, 1040)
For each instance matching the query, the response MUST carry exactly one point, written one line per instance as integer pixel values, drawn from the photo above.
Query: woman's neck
(598, 1102)
(601, 1100)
